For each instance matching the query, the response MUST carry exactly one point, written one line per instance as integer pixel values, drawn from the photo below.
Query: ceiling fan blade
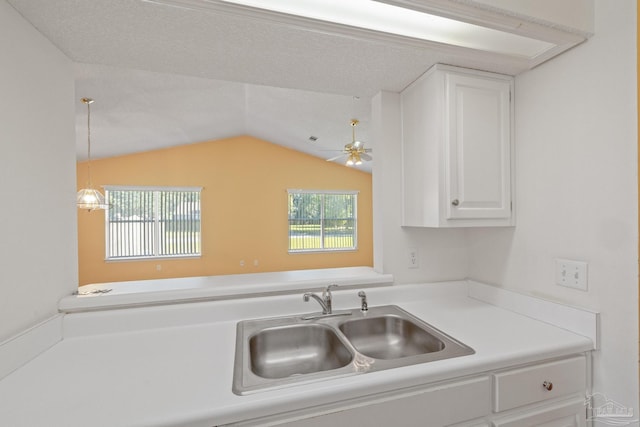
(366, 157)
(335, 158)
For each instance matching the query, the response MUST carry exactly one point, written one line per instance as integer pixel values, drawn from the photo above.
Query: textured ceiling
(164, 76)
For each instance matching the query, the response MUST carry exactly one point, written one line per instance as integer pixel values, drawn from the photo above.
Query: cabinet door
(434, 406)
(568, 414)
(478, 145)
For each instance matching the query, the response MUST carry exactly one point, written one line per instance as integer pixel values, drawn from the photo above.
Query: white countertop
(173, 365)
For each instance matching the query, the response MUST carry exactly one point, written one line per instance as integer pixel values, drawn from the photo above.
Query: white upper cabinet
(456, 149)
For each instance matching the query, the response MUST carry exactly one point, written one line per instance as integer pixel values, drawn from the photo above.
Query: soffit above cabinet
(525, 33)
(220, 40)
(165, 76)
(573, 15)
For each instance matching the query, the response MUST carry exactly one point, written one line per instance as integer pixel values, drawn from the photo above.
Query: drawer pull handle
(548, 385)
(455, 202)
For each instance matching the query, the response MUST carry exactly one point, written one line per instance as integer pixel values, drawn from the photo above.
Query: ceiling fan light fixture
(354, 151)
(89, 198)
(354, 159)
(355, 148)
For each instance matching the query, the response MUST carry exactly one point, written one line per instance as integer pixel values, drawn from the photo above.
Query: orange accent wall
(243, 204)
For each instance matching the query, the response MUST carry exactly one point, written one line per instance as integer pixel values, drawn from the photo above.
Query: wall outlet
(413, 258)
(572, 274)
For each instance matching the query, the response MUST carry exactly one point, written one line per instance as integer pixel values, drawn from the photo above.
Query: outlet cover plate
(413, 258)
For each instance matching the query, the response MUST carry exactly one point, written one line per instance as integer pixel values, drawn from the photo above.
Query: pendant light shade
(89, 198)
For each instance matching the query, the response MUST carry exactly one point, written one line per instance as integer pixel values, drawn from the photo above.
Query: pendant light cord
(88, 102)
(89, 198)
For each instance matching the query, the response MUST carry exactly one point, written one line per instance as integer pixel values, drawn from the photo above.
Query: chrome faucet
(326, 300)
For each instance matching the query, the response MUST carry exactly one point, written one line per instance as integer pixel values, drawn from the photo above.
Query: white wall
(442, 253)
(576, 177)
(38, 254)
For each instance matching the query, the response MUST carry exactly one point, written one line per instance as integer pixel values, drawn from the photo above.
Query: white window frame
(156, 247)
(354, 193)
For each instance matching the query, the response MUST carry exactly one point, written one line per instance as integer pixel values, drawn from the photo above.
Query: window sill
(152, 258)
(322, 251)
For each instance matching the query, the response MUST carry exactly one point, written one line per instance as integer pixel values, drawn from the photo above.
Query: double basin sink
(279, 352)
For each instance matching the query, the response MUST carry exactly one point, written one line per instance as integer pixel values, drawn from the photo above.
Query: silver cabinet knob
(455, 202)
(548, 385)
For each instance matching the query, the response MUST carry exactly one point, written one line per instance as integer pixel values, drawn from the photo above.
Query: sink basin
(390, 337)
(284, 351)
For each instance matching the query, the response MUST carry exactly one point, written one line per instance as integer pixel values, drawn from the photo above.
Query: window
(322, 221)
(152, 222)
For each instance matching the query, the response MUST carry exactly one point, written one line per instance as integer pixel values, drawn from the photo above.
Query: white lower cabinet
(436, 405)
(550, 394)
(566, 414)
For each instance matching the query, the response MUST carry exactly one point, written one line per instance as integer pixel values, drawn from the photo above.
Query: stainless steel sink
(279, 352)
(283, 351)
(390, 337)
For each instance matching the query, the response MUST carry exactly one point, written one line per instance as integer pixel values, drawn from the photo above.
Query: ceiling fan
(354, 151)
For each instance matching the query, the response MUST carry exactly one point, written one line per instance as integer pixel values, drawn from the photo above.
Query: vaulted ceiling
(163, 76)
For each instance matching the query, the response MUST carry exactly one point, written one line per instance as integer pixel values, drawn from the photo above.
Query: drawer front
(537, 383)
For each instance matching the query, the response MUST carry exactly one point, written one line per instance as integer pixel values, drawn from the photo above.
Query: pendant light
(89, 198)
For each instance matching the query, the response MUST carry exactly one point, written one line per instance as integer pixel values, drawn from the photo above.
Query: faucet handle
(328, 298)
(327, 292)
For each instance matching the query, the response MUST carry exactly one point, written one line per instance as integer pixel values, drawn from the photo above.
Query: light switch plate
(572, 274)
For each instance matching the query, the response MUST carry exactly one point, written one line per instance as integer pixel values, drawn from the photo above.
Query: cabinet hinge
(511, 206)
(509, 96)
